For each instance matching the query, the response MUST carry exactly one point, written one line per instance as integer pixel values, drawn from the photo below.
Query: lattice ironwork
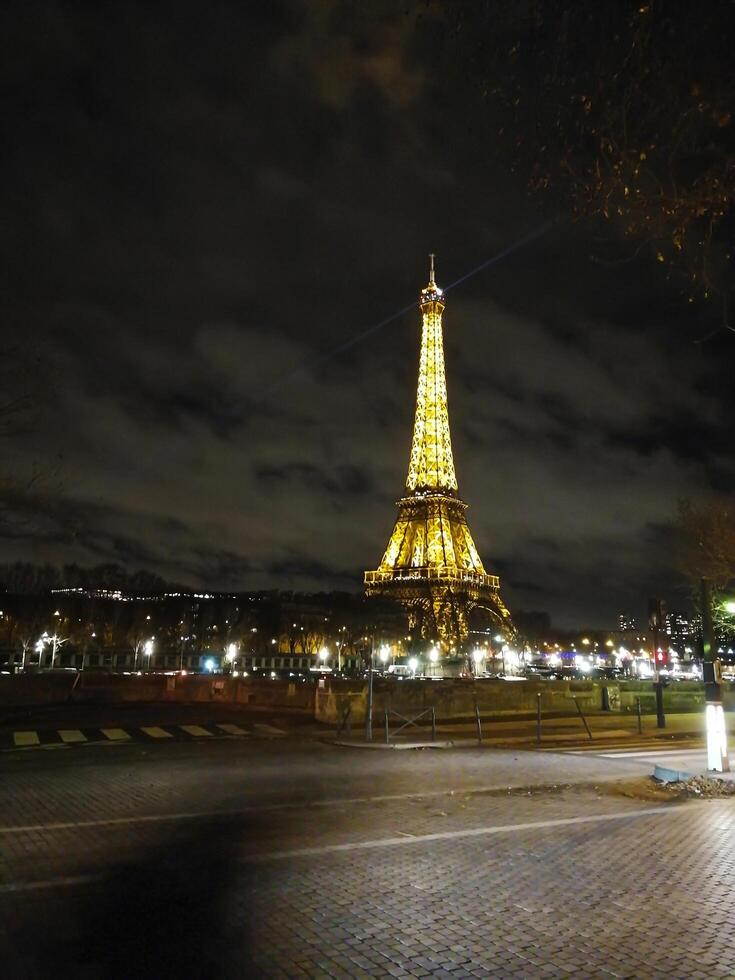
(431, 564)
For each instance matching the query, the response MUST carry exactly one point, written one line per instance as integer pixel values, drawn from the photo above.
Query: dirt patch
(648, 788)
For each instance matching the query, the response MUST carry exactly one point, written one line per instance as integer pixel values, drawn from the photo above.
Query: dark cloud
(201, 203)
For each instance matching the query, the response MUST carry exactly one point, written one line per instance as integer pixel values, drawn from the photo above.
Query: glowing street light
(413, 665)
(434, 655)
(324, 654)
(384, 654)
(231, 654)
(148, 651)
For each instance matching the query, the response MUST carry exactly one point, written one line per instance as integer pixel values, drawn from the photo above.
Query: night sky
(205, 204)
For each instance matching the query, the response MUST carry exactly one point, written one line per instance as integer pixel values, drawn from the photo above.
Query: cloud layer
(197, 219)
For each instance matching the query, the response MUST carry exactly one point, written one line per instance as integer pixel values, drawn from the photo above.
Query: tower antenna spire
(432, 256)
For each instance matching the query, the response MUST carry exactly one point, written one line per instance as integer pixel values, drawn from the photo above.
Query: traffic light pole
(658, 687)
(717, 758)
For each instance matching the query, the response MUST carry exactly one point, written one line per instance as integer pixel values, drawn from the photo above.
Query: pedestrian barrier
(408, 721)
(344, 723)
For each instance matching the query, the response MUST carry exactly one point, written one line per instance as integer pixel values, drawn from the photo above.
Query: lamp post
(717, 757)
(148, 650)
(231, 655)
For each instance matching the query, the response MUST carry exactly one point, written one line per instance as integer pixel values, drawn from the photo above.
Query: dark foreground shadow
(166, 912)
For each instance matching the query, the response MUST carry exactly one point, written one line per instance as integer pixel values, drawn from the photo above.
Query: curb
(391, 745)
(665, 775)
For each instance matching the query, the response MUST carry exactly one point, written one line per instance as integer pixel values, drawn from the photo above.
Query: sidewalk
(569, 730)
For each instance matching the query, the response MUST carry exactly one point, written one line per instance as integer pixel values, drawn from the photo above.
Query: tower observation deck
(431, 565)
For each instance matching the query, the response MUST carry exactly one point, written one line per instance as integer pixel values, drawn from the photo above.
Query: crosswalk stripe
(115, 734)
(269, 730)
(232, 729)
(71, 735)
(157, 732)
(195, 730)
(26, 738)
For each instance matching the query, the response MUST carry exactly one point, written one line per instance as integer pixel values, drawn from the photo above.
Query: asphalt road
(286, 856)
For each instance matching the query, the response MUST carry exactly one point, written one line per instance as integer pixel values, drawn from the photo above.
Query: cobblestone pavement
(176, 861)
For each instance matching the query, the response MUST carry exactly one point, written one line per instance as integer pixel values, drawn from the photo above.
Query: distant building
(681, 630)
(627, 624)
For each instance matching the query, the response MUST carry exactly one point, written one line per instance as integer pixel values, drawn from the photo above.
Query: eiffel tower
(431, 565)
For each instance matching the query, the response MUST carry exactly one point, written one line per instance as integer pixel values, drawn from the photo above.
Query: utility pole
(369, 710)
(717, 758)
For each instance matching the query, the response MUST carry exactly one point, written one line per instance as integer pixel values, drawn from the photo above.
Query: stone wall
(455, 699)
(97, 687)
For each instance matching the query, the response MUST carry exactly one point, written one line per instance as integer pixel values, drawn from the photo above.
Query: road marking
(71, 735)
(456, 835)
(233, 729)
(157, 732)
(261, 807)
(195, 730)
(115, 734)
(26, 738)
(32, 886)
(641, 751)
(269, 730)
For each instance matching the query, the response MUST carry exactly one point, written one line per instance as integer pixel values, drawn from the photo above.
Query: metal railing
(437, 573)
(407, 721)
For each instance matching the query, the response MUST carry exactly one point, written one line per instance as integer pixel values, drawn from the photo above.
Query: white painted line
(33, 886)
(269, 729)
(26, 738)
(641, 749)
(233, 729)
(115, 734)
(195, 730)
(157, 732)
(69, 735)
(260, 808)
(651, 753)
(403, 841)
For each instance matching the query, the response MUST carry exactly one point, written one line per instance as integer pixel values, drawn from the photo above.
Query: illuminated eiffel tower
(431, 565)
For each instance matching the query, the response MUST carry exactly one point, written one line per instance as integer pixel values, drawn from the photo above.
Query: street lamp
(232, 654)
(478, 656)
(148, 651)
(324, 655)
(384, 655)
(413, 665)
(39, 650)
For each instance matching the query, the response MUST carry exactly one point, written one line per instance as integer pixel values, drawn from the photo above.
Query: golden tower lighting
(431, 565)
